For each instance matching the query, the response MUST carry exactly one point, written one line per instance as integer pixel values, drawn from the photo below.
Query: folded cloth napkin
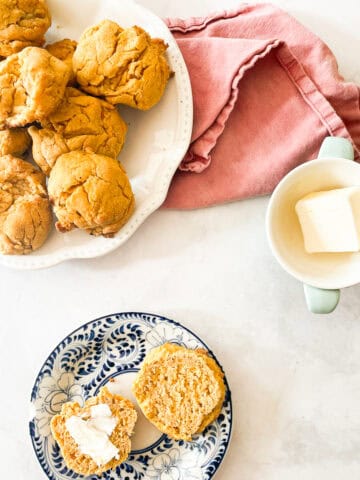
(266, 93)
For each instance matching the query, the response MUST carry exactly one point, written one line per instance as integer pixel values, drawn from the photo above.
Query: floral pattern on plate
(86, 360)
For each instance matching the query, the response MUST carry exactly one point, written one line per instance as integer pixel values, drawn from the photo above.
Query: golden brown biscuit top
(25, 216)
(80, 122)
(125, 66)
(80, 114)
(64, 50)
(22, 23)
(47, 146)
(75, 169)
(77, 114)
(90, 191)
(32, 84)
(14, 142)
(18, 178)
(23, 19)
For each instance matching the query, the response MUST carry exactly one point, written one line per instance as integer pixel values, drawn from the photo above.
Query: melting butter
(92, 435)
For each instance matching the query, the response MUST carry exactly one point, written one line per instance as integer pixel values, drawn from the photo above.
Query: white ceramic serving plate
(156, 140)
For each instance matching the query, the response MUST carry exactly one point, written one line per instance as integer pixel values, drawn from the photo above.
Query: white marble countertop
(294, 376)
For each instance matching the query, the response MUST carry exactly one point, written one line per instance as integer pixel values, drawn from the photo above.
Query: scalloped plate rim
(154, 201)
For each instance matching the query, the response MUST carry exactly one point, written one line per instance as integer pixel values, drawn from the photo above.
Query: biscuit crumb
(121, 408)
(180, 391)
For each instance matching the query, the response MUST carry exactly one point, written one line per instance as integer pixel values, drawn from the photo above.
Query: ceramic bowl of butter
(313, 224)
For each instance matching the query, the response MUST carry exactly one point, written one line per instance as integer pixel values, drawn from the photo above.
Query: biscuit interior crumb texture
(123, 66)
(179, 390)
(91, 192)
(32, 85)
(121, 408)
(23, 23)
(25, 216)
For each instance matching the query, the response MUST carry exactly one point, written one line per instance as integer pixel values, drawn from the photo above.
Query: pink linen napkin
(266, 93)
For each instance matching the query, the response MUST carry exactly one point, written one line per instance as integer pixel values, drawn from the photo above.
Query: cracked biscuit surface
(91, 192)
(123, 66)
(180, 391)
(25, 214)
(14, 142)
(23, 23)
(64, 50)
(121, 409)
(32, 84)
(80, 122)
(47, 147)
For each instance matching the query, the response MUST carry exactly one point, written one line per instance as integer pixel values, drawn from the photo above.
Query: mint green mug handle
(320, 300)
(336, 147)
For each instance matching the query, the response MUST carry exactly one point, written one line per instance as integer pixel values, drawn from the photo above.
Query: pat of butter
(92, 435)
(330, 220)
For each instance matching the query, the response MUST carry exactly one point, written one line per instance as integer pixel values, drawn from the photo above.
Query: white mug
(323, 274)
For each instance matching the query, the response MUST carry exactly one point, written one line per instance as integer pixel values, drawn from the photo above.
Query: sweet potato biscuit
(180, 391)
(25, 215)
(23, 23)
(14, 142)
(80, 122)
(126, 416)
(47, 147)
(64, 50)
(32, 84)
(123, 66)
(91, 192)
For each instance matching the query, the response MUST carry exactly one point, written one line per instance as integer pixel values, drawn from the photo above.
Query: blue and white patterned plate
(113, 348)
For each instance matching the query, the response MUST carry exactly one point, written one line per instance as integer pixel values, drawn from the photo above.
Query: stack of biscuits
(59, 101)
